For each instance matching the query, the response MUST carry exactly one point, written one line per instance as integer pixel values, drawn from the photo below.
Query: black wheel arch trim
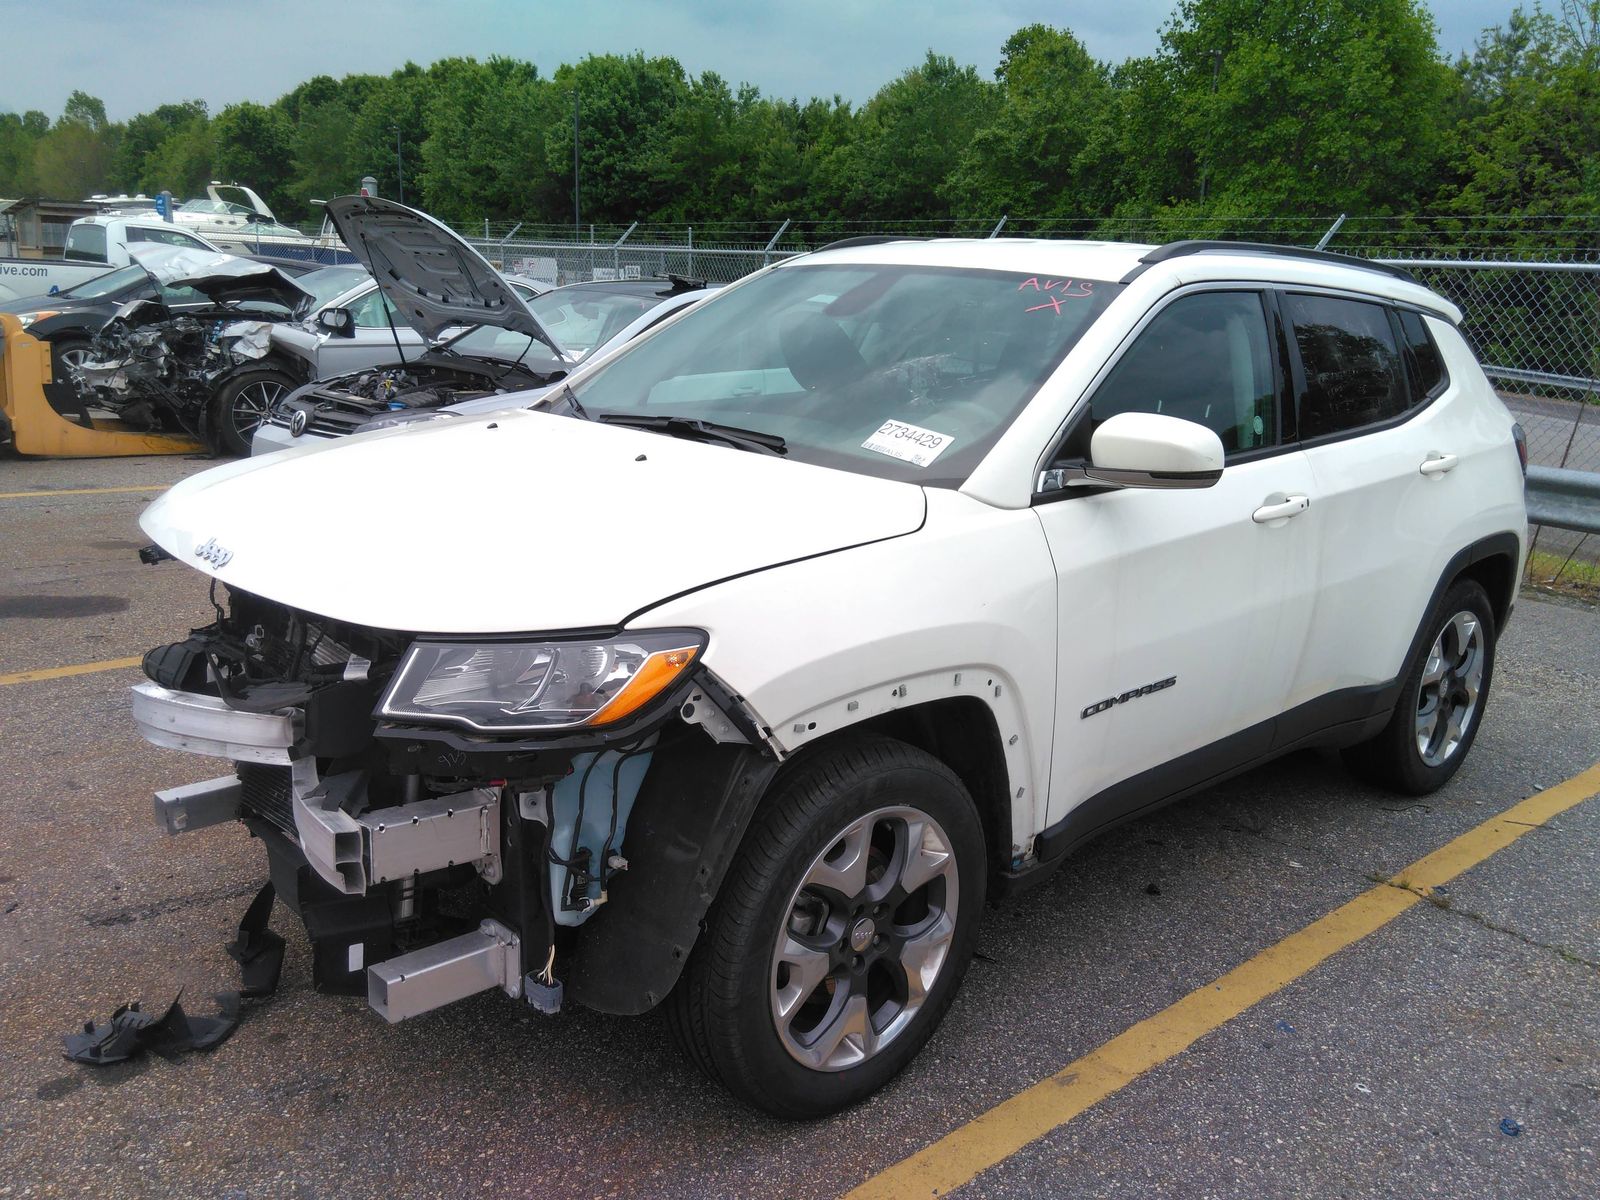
(687, 824)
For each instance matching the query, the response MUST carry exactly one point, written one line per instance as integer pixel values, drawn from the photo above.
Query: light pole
(399, 168)
(577, 184)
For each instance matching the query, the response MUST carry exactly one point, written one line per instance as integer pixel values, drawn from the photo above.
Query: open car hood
(519, 522)
(222, 278)
(432, 277)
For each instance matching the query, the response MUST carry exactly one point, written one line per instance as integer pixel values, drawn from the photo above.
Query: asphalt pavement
(1387, 1070)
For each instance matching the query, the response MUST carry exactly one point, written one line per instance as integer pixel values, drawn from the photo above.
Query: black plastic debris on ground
(131, 1030)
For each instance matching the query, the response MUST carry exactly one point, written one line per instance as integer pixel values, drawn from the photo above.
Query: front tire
(243, 403)
(1441, 701)
(841, 934)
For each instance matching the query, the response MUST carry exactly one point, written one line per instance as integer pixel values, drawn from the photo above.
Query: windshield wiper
(569, 398)
(690, 427)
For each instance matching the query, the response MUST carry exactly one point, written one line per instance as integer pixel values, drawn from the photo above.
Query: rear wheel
(842, 932)
(1441, 701)
(243, 403)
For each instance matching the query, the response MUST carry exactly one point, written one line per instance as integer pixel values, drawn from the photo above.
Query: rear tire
(841, 934)
(243, 403)
(1442, 699)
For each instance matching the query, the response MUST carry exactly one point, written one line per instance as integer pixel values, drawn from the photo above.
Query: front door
(1183, 614)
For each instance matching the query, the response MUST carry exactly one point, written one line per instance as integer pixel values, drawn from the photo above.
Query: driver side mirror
(337, 321)
(1143, 450)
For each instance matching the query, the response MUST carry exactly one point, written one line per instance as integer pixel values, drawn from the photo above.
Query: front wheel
(243, 403)
(1441, 699)
(841, 934)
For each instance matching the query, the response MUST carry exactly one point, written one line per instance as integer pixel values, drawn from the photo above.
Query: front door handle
(1280, 510)
(1438, 464)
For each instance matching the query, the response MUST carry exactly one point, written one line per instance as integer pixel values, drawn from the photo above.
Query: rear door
(1384, 443)
(1182, 613)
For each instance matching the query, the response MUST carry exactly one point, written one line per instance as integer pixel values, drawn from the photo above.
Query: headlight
(391, 420)
(26, 319)
(506, 687)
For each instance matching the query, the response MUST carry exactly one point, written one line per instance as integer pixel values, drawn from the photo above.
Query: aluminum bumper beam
(426, 979)
(205, 725)
(196, 805)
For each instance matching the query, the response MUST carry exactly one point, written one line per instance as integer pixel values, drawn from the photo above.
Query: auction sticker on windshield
(909, 443)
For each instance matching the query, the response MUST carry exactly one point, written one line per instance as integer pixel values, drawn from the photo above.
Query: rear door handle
(1438, 464)
(1281, 510)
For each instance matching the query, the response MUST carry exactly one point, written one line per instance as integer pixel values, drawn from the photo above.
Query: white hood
(519, 522)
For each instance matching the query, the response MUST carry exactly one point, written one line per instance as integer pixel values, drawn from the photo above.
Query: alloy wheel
(865, 936)
(252, 403)
(1452, 682)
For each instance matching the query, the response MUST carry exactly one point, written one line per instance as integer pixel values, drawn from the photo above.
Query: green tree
(1295, 108)
(1528, 142)
(254, 145)
(1043, 153)
(142, 139)
(19, 135)
(397, 104)
(74, 158)
(181, 164)
(907, 140)
(626, 106)
(483, 153)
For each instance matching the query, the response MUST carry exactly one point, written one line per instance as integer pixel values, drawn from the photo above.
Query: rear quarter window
(1423, 360)
(86, 243)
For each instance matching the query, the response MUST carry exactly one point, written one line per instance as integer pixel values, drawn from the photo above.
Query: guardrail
(1564, 499)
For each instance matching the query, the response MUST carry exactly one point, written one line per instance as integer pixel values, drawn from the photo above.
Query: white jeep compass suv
(736, 675)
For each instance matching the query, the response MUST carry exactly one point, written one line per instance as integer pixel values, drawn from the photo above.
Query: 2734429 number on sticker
(909, 443)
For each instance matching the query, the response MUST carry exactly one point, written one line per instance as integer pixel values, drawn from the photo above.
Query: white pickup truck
(94, 245)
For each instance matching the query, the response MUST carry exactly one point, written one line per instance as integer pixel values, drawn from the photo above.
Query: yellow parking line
(45, 492)
(958, 1157)
(110, 664)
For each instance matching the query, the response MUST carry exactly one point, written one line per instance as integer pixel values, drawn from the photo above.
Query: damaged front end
(403, 393)
(450, 816)
(157, 371)
(157, 363)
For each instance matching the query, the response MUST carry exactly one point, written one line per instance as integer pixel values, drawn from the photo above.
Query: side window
(1428, 376)
(369, 311)
(1353, 370)
(1204, 358)
(167, 237)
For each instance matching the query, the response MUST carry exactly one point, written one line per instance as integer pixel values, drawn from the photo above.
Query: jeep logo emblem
(297, 423)
(217, 556)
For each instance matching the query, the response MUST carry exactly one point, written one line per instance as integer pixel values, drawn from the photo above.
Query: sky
(137, 55)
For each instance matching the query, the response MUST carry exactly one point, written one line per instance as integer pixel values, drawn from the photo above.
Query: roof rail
(868, 239)
(1195, 246)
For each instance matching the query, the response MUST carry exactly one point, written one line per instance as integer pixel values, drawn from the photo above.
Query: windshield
(327, 284)
(105, 285)
(218, 208)
(581, 318)
(905, 372)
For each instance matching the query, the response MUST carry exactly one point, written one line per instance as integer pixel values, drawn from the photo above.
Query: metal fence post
(766, 253)
(616, 249)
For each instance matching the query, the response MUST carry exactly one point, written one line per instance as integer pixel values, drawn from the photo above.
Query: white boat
(237, 220)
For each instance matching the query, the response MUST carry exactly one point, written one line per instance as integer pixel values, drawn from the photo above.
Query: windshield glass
(581, 318)
(218, 208)
(105, 285)
(327, 284)
(905, 372)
